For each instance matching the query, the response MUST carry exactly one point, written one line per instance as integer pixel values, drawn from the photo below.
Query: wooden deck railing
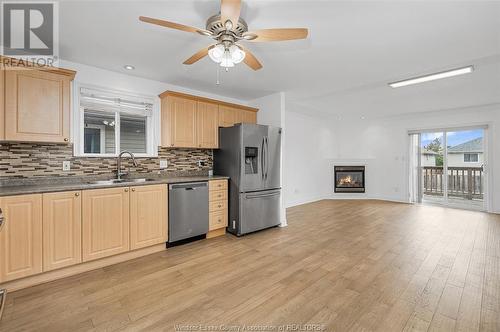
(463, 182)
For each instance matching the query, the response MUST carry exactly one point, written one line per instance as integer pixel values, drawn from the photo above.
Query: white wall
(383, 143)
(119, 81)
(310, 143)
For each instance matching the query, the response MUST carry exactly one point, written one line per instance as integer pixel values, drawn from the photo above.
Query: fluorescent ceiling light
(432, 77)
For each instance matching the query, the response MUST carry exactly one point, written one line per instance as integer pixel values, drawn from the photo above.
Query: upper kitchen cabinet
(36, 105)
(2, 103)
(178, 122)
(207, 116)
(193, 122)
(228, 116)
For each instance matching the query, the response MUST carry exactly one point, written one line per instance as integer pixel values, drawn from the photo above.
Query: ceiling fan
(228, 29)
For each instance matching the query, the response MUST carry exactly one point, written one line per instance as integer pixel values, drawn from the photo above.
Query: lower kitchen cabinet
(62, 229)
(105, 223)
(20, 236)
(218, 207)
(148, 216)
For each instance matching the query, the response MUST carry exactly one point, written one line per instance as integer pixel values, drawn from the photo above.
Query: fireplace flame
(345, 180)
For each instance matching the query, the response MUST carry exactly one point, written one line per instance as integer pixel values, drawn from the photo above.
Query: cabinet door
(227, 116)
(248, 116)
(179, 122)
(148, 216)
(2, 104)
(62, 230)
(207, 123)
(37, 106)
(105, 222)
(20, 237)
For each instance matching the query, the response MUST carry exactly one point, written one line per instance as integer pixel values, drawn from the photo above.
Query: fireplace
(349, 179)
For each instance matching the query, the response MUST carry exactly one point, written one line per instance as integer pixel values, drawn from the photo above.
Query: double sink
(113, 181)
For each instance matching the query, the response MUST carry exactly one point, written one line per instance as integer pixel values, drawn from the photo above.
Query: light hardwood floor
(349, 265)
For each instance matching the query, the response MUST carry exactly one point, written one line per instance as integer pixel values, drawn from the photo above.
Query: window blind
(110, 102)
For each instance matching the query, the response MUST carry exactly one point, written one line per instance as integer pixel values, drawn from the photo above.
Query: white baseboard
(307, 200)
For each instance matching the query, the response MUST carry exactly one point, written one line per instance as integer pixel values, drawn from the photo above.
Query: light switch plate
(163, 164)
(66, 165)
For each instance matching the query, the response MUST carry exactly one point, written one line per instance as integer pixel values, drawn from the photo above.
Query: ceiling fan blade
(197, 56)
(173, 25)
(268, 35)
(230, 10)
(250, 59)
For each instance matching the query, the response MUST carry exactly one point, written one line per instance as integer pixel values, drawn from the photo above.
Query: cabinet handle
(172, 144)
(220, 205)
(66, 139)
(126, 190)
(2, 218)
(77, 194)
(133, 189)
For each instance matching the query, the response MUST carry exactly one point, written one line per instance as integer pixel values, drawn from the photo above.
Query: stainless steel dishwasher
(187, 210)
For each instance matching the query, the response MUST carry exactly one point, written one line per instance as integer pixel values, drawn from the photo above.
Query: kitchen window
(109, 122)
(471, 157)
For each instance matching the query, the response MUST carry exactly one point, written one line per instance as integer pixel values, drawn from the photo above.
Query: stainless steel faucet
(119, 172)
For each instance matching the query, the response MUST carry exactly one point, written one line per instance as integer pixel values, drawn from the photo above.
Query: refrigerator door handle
(262, 158)
(263, 195)
(267, 156)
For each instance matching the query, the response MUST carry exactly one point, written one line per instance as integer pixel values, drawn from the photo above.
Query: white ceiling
(354, 49)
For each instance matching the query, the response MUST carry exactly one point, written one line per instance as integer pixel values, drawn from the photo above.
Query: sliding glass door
(452, 168)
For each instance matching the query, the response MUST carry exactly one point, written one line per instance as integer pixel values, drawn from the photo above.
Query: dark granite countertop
(46, 185)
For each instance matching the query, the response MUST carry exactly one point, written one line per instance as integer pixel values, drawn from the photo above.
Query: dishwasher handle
(188, 186)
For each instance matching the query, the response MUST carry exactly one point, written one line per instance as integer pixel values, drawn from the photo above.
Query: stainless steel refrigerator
(250, 155)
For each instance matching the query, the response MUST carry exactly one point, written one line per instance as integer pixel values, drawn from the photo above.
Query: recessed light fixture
(362, 117)
(432, 77)
(129, 67)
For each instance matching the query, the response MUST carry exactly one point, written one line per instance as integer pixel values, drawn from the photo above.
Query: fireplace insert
(349, 179)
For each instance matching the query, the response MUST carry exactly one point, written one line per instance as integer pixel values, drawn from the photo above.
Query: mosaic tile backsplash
(29, 160)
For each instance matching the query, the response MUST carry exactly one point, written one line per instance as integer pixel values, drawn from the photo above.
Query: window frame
(152, 122)
(102, 133)
(470, 155)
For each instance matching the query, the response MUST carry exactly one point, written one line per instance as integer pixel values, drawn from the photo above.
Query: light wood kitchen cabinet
(178, 122)
(62, 229)
(207, 124)
(248, 116)
(193, 122)
(105, 221)
(228, 116)
(37, 105)
(218, 207)
(148, 216)
(2, 104)
(20, 236)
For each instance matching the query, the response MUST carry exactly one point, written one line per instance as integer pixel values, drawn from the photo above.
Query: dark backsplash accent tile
(28, 160)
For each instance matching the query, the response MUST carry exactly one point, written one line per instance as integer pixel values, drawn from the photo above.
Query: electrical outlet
(201, 163)
(163, 164)
(66, 165)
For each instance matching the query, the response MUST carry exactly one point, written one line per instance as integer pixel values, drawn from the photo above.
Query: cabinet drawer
(217, 184)
(217, 220)
(218, 205)
(218, 195)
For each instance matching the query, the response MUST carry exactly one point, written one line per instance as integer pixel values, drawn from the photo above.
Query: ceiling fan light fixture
(227, 60)
(216, 53)
(237, 54)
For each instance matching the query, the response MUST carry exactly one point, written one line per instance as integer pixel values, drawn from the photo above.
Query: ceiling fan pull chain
(218, 74)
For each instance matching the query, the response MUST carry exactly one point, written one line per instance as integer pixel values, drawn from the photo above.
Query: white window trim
(152, 125)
